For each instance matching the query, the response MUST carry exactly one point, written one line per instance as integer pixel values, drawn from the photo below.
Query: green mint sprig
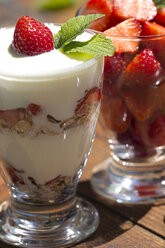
(97, 45)
(159, 3)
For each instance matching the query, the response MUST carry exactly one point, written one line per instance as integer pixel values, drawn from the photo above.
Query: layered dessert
(133, 104)
(48, 111)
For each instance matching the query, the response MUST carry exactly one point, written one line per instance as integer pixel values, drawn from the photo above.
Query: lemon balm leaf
(72, 28)
(97, 45)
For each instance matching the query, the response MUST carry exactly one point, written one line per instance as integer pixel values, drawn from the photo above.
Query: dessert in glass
(48, 113)
(133, 103)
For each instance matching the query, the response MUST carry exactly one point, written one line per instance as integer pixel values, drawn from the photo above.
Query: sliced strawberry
(157, 131)
(157, 45)
(33, 108)
(141, 102)
(11, 116)
(130, 27)
(144, 70)
(141, 10)
(100, 7)
(152, 28)
(115, 114)
(91, 97)
(160, 17)
(32, 37)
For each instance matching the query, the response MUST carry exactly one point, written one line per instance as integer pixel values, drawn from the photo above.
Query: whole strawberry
(32, 37)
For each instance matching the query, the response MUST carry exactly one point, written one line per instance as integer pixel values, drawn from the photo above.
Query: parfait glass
(47, 127)
(132, 119)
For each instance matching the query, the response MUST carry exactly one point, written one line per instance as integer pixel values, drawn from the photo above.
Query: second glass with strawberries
(133, 103)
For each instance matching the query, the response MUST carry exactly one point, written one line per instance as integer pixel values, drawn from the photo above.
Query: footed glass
(47, 126)
(132, 117)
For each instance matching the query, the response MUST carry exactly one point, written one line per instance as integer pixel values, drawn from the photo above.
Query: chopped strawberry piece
(100, 7)
(157, 45)
(110, 88)
(157, 131)
(11, 116)
(144, 70)
(152, 28)
(141, 102)
(115, 65)
(160, 17)
(115, 114)
(32, 37)
(34, 109)
(130, 27)
(91, 97)
(141, 10)
(145, 190)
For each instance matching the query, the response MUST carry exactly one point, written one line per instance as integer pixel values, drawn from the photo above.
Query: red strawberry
(32, 37)
(152, 28)
(100, 7)
(144, 70)
(157, 131)
(141, 10)
(33, 108)
(145, 190)
(115, 65)
(130, 27)
(141, 102)
(157, 45)
(115, 114)
(91, 97)
(160, 17)
(11, 116)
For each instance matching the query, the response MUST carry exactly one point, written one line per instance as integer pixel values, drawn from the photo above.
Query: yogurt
(49, 139)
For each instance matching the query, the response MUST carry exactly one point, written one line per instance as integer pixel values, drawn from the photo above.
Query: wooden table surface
(120, 226)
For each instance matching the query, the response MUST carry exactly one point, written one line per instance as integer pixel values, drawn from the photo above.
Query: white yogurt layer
(55, 82)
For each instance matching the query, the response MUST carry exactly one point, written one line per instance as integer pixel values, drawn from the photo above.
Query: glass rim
(139, 37)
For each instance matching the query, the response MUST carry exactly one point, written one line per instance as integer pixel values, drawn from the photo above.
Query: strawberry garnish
(160, 17)
(130, 27)
(91, 97)
(144, 70)
(100, 7)
(141, 10)
(32, 37)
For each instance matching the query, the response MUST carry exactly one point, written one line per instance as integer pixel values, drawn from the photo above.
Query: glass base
(50, 229)
(124, 186)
